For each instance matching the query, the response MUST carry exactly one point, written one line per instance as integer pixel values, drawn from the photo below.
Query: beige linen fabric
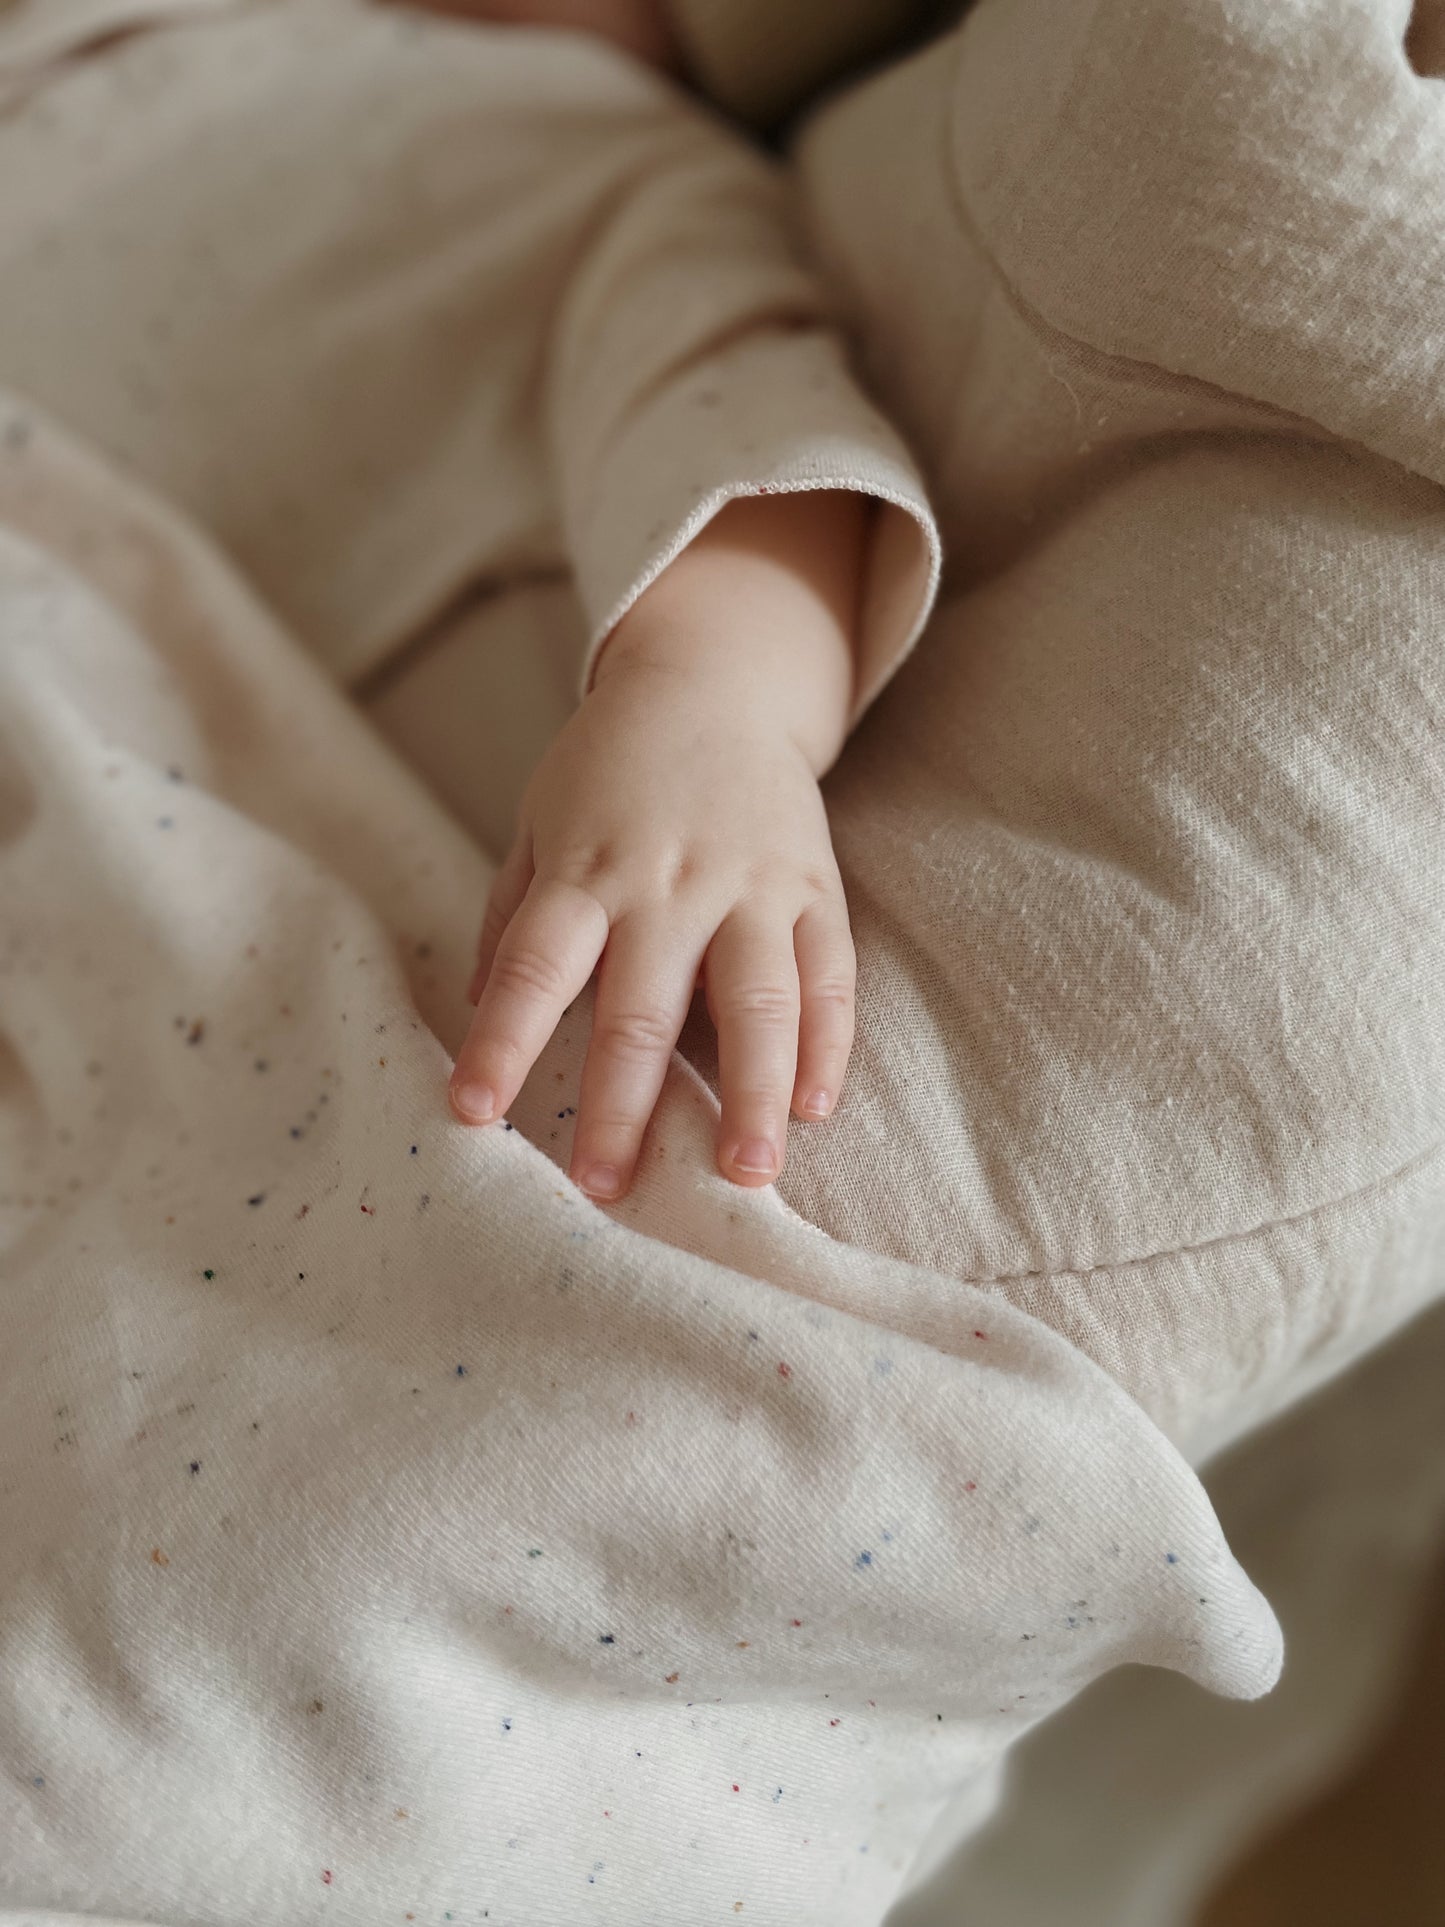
(1144, 846)
(37, 35)
(395, 305)
(1168, 786)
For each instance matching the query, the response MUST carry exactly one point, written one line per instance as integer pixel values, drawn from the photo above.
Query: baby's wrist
(731, 683)
(756, 618)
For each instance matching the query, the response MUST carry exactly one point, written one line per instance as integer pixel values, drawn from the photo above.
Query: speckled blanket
(384, 1528)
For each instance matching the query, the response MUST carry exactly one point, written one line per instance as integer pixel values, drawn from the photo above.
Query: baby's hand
(675, 831)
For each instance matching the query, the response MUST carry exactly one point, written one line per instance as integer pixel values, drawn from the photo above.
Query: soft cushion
(1143, 845)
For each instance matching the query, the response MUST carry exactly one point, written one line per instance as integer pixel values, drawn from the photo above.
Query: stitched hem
(712, 505)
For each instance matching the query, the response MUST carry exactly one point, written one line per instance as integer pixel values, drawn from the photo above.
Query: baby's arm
(715, 463)
(677, 821)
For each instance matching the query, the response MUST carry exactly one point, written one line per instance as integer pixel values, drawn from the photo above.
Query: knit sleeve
(694, 361)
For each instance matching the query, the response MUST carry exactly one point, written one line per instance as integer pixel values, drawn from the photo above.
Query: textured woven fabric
(393, 306)
(1146, 841)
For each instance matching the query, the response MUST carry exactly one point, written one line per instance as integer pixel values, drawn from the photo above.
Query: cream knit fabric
(386, 1529)
(1146, 840)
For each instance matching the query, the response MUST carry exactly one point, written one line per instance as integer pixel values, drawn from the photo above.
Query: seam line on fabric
(1389, 1180)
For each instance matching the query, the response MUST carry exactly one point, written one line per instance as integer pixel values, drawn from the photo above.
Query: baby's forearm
(759, 614)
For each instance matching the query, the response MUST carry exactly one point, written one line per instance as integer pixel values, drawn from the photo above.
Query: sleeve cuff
(775, 413)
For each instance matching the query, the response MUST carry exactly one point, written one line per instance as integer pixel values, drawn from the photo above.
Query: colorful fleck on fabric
(391, 1530)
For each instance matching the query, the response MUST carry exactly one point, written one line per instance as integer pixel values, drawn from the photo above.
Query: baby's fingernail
(754, 1154)
(817, 1104)
(601, 1180)
(474, 1103)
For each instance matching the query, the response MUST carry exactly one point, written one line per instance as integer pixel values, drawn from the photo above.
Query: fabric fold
(538, 311)
(408, 1526)
(1242, 200)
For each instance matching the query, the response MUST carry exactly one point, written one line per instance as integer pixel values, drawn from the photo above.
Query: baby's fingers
(752, 983)
(544, 958)
(643, 993)
(509, 886)
(827, 978)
